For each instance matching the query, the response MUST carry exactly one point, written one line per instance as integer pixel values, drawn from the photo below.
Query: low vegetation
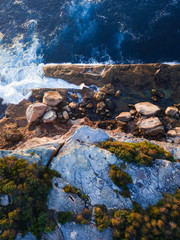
(141, 153)
(160, 221)
(101, 217)
(64, 217)
(27, 185)
(121, 179)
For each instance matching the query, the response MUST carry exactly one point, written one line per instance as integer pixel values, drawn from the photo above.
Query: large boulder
(52, 98)
(150, 126)
(34, 111)
(146, 108)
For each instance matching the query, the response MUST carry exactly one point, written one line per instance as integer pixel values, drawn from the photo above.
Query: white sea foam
(21, 69)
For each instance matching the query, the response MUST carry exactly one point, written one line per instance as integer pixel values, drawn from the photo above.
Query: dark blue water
(81, 31)
(34, 32)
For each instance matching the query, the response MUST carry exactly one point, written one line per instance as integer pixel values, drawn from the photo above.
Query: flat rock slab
(52, 98)
(72, 231)
(87, 168)
(124, 117)
(61, 201)
(147, 108)
(89, 135)
(152, 126)
(34, 152)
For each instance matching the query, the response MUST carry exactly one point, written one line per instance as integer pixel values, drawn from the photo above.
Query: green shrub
(64, 217)
(101, 217)
(142, 153)
(161, 221)
(84, 217)
(120, 178)
(28, 186)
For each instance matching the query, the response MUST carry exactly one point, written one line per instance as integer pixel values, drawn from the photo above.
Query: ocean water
(38, 32)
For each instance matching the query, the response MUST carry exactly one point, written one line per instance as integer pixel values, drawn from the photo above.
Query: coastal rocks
(35, 151)
(49, 117)
(59, 200)
(87, 168)
(147, 108)
(99, 96)
(100, 106)
(117, 93)
(89, 135)
(174, 134)
(108, 89)
(65, 115)
(34, 111)
(4, 200)
(72, 105)
(150, 126)
(12, 135)
(171, 111)
(28, 236)
(73, 231)
(124, 117)
(52, 98)
(55, 235)
(150, 182)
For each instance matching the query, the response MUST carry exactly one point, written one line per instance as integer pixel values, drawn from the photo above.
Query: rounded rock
(65, 115)
(73, 105)
(171, 111)
(49, 117)
(52, 98)
(34, 111)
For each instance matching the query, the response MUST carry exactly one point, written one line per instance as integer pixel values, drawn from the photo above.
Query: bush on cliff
(142, 153)
(160, 221)
(27, 185)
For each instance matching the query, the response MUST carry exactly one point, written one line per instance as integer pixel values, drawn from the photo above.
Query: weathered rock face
(147, 108)
(124, 117)
(135, 77)
(34, 111)
(72, 231)
(151, 126)
(61, 201)
(28, 236)
(150, 182)
(35, 151)
(52, 98)
(87, 168)
(4, 200)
